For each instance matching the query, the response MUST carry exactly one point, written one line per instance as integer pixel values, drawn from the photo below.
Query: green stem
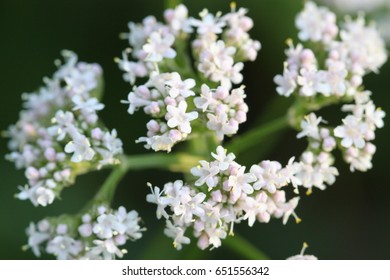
(171, 4)
(250, 139)
(241, 246)
(179, 162)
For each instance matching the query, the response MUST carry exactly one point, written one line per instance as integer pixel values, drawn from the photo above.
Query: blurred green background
(347, 221)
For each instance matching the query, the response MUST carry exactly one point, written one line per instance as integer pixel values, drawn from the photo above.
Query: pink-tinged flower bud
(240, 116)
(43, 172)
(170, 101)
(97, 133)
(66, 173)
(329, 144)
(216, 196)
(175, 135)
(50, 154)
(62, 229)
(221, 93)
(356, 80)
(307, 57)
(43, 225)
(29, 129)
(143, 91)
(264, 217)
(153, 126)
(32, 174)
(199, 226)
(203, 241)
(169, 15)
(60, 157)
(120, 239)
(153, 108)
(353, 152)
(369, 135)
(85, 230)
(370, 148)
(246, 23)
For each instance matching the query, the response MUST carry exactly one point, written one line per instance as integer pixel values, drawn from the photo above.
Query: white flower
(240, 182)
(35, 238)
(268, 176)
(179, 117)
(309, 127)
(207, 174)
(189, 207)
(374, 116)
(286, 82)
(209, 24)
(81, 149)
(224, 160)
(178, 19)
(254, 206)
(107, 226)
(352, 132)
(64, 247)
(221, 125)
(62, 120)
(177, 87)
(43, 196)
(177, 233)
(88, 106)
(161, 201)
(206, 98)
(159, 47)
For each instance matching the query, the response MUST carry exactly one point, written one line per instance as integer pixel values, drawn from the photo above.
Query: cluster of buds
(58, 134)
(181, 97)
(97, 234)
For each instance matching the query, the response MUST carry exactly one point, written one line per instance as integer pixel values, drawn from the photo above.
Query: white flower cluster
(163, 97)
(358, 129)
(222, 195)
(96, 235)
(225, 110)
(358, 50)
(58, 135)
(335, 78)
(220, 47)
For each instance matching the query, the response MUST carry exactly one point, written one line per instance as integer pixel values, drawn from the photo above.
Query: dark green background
(350, 220)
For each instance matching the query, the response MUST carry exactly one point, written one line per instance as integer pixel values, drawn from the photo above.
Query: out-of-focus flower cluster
(223, 194)
(378, 10)
(330, 70)
(97, 234)
(58, 134)
(179, 94)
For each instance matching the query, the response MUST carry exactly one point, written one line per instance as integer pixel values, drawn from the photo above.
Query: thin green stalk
(251, 139)
(179, 162)
(171, 4)
(242, 246)
(176, 163)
